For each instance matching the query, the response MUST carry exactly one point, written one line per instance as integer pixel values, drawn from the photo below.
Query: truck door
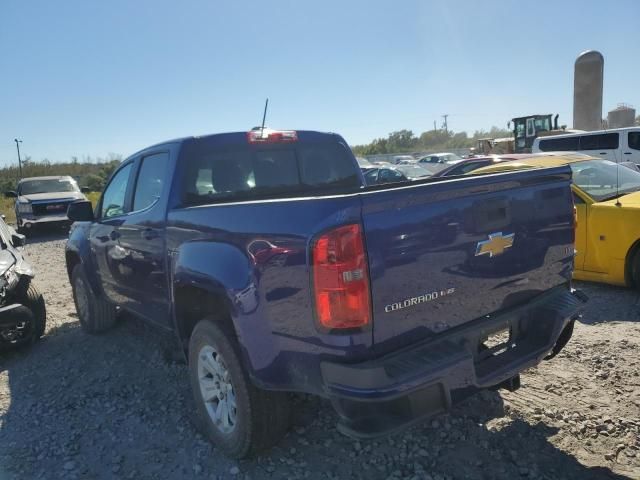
(142, 240)
(105, 231)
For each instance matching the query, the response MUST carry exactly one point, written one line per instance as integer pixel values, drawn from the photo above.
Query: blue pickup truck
(279, 271)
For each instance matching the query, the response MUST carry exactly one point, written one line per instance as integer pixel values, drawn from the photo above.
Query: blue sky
(88, 78)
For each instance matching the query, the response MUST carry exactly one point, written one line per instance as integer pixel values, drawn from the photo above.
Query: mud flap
(563, 339)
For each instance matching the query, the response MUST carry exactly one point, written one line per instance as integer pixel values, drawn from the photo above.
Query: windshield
(604, 180)
(543, 124)
(414, 171)
(31, 187)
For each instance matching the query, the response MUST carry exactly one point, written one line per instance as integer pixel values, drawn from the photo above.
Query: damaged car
(22, 307)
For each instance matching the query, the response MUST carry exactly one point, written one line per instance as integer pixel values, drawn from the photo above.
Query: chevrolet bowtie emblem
(496, 245)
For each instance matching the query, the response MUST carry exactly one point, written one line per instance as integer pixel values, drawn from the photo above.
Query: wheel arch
(193, 303)
(628, 263)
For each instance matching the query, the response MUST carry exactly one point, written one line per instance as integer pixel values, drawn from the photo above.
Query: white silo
(587, 91)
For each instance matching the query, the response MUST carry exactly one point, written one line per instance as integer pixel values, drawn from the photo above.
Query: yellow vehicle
(607, 200)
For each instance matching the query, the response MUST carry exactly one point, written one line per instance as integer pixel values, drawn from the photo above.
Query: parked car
(440, 158)
(44, 200)
(363, 162)
(617, 145)
(607, 200)
(394, 174)
(403, 160)
(386, 300)
(22, 310)
(473, 163)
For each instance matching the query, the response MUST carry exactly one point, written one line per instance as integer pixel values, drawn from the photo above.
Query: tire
(29, 296)
(33, 299)
(96, 314)
(634, 270)
(260, 418)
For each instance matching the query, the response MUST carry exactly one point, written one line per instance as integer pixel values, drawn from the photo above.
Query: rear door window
(566, 144)
(634, 140)
(605, 141)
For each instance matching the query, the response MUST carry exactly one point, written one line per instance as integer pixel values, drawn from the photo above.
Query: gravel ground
(117, 406)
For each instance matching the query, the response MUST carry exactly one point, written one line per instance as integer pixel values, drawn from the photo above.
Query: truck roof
(239, 138)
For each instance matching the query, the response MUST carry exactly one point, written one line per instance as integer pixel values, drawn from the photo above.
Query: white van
(617, 145)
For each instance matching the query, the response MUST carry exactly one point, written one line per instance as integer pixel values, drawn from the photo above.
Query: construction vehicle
(526, 129)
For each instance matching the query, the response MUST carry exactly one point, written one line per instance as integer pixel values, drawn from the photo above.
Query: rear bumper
(394, 391)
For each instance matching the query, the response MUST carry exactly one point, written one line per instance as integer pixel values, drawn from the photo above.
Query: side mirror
(80, 211)
(11, 194)
(18, 240)
(85, 189)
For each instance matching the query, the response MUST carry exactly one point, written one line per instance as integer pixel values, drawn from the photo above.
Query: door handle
(627, 153)
(149, 234)
(603, 153)
(114, 235)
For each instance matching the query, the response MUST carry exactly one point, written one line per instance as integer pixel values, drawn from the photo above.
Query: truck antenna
(264, 116)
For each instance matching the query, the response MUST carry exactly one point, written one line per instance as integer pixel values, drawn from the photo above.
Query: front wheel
(237, 417)
(96, 314)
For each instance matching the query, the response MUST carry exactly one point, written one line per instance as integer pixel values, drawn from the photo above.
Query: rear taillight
(266, 135)
(341, 279)
(575, 222)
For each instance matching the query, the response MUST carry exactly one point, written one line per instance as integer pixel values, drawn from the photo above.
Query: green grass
(93, 197)
(6, 206)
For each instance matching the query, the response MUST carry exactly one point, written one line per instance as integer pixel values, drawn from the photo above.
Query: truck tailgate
(443, 254)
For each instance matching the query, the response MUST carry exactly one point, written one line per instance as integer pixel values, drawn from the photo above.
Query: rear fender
(225, 272)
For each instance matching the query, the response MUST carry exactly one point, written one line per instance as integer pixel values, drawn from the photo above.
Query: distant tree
(94, 182)
(401, 141)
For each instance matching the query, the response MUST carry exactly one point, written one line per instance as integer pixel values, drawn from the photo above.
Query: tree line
(432, 140)
(91, 173)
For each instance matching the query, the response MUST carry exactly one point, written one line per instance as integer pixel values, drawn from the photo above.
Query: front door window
(113, 198)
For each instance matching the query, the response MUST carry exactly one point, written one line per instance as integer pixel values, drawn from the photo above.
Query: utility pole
(444, 124)
(434, 126)
(18, 142)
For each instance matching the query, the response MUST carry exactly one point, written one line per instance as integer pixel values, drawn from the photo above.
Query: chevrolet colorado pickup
(279, 271)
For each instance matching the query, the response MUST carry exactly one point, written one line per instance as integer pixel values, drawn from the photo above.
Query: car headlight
(10, 278)
(24, 207)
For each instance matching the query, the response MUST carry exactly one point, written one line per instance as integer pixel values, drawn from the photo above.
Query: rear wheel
(96, 314)
(237, 417)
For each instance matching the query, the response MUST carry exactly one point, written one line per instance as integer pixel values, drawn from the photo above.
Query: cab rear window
(222, 175)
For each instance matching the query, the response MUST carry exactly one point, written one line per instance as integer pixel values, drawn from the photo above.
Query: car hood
(630, 200)
(38, 197)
